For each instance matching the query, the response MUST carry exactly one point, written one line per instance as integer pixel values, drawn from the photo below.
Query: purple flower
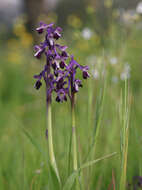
(40, 50)
(62, 64)
(56, 34)
(137, 182)
(85, 73)
(61, 96)
(43, 26)
(38, 84)
(59, 76)
(64, 55)
(77, 84)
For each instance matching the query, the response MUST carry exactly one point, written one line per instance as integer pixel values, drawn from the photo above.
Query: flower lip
(56, 35)
(64, 54)
(56, 73)
(40, 49)
(38, 54)
(58, 99)
(39, 30)
(85, 74)
(62, 64)
(61, 96)
(38, 84)
(55, 65)
(76, 85)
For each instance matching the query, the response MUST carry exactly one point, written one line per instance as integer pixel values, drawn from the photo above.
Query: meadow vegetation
(108, 113)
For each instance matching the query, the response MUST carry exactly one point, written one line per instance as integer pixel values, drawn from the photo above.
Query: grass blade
(54, 182)
(71, 179)
(29, 136)
(125, 110)
(32, 140)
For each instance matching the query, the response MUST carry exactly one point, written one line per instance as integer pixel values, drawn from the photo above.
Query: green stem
(69, 153)
(50, 140)
(74, 140)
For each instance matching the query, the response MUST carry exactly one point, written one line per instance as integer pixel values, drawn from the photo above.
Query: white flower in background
(130, 16)
(114, 79)
(126, 72)
(87, 33)
(38, 171)
(113, 60)
(124, 76)
(127, 67)
(95, 74)
(139, 8)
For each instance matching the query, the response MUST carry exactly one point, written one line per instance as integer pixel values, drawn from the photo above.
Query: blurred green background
(104, 34)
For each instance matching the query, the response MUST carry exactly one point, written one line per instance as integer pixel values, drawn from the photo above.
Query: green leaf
(32, 140)
(54, 183)
(97, 160)
(71, 179)
(28, 135)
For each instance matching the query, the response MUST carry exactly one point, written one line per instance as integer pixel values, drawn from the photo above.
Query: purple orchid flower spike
(59, 76)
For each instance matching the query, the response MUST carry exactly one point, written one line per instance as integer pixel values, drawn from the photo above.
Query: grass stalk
(125, 110)
(74, 141)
